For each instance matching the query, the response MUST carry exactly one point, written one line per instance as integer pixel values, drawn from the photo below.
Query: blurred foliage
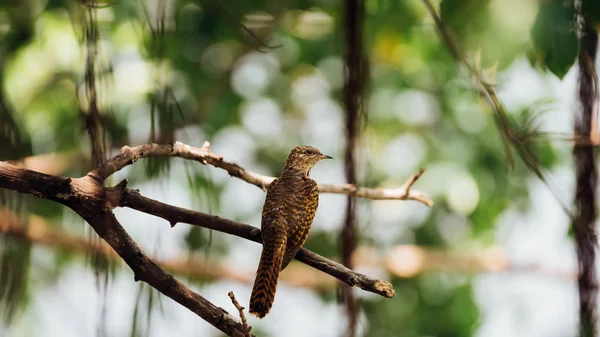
(14, 276)
(432, 306)
(188, 70)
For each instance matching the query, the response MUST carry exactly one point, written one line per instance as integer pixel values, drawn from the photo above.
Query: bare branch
(93, 202)
(130, 155)
(88, 199)
(402, 193)
(108, 227)
(240, 310)
(173, 215)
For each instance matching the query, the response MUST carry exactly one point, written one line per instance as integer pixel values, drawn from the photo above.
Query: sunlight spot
(262, 117)
(415, 107)
(253, 73)
(132, 77)
(406, 260)
(380, 105)
(404, 154)
(332, 68)
(305, 89)
(463, 194)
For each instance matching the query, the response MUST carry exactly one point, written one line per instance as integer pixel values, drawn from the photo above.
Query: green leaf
(554, 39)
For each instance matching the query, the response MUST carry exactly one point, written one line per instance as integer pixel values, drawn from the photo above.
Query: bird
(287, 215)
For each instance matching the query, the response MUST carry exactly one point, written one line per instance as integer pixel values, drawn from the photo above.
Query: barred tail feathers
(265, 284)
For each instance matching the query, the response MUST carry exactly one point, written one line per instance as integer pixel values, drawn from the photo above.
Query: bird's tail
(265, 284)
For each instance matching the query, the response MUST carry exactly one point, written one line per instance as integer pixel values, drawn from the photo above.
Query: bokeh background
(493, 257)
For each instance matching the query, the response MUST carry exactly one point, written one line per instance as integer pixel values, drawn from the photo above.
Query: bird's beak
(324, 156)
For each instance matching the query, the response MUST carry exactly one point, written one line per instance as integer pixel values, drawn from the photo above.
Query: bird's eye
(310, 152)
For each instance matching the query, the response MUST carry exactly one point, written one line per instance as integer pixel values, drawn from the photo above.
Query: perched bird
(287, 215)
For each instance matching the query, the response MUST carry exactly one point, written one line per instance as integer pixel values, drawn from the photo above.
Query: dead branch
(129, 155)
(240, 310)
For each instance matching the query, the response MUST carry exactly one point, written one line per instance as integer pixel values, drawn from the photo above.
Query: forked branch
(94, 203)
(89, 199)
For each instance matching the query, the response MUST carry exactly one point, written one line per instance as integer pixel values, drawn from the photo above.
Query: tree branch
(89, 199)
(240, 310)
(173, 214)
(108, 227)
(129, 155)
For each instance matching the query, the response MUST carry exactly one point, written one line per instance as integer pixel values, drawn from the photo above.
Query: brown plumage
(287, 215)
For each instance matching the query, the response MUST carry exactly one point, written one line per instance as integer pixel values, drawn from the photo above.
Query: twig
(129, 155)
(174, 214)
(240, 310)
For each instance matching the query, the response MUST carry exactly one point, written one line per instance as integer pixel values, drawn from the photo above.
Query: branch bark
(94, 203)
(174, 214)
(129, 155)
(88, 198)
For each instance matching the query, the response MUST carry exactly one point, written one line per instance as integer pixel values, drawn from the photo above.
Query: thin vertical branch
(94, 126)
(92, 118)
(15, 258)
(586, 178)
(355, 77)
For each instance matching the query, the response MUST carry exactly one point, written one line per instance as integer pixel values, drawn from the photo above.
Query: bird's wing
(308, 207)
(273, 210)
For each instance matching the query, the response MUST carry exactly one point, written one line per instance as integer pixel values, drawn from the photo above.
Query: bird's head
(303, 158)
